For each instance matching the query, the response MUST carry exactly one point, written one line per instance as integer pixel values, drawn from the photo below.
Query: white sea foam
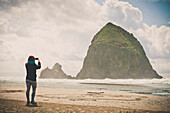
(106, 81)
(112, 81)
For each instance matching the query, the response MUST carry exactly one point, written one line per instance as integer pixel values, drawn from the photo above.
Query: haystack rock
(56, 72)
(115, 53)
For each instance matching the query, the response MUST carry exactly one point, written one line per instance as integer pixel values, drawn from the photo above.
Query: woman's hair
(31, 58)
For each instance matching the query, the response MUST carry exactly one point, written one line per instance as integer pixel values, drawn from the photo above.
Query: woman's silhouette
(31, 68)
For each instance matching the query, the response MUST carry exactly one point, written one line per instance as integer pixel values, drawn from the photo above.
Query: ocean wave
(106, 81)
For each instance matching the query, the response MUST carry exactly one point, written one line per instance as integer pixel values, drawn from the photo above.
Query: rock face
(115, 53)
(56, 72)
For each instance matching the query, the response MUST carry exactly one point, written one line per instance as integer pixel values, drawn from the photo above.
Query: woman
(31, 68)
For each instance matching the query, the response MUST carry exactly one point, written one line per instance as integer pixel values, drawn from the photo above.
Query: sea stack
(116, 54)
(56, 72)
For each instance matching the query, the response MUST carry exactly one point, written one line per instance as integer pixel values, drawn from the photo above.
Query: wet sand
(12, 99)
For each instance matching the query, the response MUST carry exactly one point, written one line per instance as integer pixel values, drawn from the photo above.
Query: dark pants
(29, 84)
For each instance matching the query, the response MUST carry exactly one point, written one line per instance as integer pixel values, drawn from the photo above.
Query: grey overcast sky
(60, 31)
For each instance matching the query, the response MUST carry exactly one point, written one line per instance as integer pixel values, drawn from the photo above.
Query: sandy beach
(12, 99)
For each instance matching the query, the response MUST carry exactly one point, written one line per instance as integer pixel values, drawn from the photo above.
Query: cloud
(55, 31)
(61, 31)
(122, 13)
(156, 43)
(157, 40)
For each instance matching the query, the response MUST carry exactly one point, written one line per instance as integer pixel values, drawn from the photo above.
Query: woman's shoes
(33, 102)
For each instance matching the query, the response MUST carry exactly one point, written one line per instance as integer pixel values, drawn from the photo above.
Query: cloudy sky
(61, 31)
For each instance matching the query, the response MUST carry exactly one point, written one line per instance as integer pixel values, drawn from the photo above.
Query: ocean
(156, 87)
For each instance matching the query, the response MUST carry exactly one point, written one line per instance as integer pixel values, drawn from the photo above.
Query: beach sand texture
(13, 99)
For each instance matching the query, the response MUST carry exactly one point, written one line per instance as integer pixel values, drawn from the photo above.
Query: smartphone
(36, 61)
(36, 58)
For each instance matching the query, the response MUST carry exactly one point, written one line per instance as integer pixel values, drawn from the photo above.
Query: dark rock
(115, 53)
(70, 77)
(56, 72)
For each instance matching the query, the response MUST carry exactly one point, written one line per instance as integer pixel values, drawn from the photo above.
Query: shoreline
(74, 98)
(161, 90)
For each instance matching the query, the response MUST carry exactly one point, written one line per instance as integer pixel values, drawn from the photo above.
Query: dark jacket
(31, 71)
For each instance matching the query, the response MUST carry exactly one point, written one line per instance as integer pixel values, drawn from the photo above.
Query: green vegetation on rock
(117, 54)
